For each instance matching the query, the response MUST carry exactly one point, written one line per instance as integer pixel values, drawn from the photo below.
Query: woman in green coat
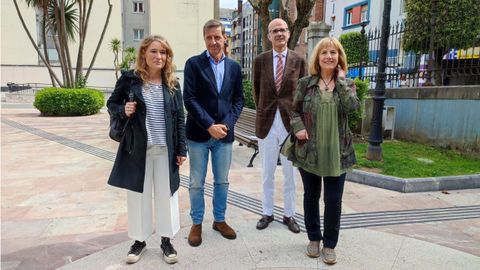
(324, 150)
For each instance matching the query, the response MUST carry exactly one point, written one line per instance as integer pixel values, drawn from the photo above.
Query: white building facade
(348, 15)
(181, 22)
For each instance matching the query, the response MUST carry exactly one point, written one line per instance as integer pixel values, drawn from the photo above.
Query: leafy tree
(115, 46)
(248, 94)
(452, 24)
(67, 21)
(303, 10)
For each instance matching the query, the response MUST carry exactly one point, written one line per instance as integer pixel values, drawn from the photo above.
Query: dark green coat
(346, 101)
(129, 168)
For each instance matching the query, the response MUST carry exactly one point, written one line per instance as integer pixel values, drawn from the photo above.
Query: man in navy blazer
(213, 97)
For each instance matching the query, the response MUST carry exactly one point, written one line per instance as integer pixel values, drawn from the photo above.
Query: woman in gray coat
(153, 147)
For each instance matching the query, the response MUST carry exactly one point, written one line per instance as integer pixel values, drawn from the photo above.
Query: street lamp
(374, 150)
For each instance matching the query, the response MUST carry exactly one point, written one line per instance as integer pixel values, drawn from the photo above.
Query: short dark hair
(213, 24)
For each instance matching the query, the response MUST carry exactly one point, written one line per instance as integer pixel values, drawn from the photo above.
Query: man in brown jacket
(275, 75)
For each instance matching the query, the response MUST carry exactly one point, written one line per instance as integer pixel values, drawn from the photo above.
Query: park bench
(245, 131)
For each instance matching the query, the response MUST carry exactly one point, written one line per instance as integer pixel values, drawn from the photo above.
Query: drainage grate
(349, 221)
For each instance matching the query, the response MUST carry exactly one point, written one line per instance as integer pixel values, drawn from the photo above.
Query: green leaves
(248, 94)
(456, 24)
(355, 118)
(355, 46)
(69, 102)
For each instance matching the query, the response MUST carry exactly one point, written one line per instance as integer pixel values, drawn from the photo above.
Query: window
(332, 22)
(364, 13)
(137, 34)
(348, 18)
(138, 7)
(356, 14)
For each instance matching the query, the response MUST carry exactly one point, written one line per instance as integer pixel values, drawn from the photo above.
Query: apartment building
(348, 15)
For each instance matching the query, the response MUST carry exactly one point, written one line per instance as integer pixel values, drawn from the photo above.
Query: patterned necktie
(279, 73)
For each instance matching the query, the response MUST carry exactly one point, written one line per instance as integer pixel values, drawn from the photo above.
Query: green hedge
(248, 94)
(355, 118)
(355, 46)
(69, 102)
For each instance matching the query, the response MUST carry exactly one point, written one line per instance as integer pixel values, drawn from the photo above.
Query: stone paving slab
(56, 207)
(276, 248)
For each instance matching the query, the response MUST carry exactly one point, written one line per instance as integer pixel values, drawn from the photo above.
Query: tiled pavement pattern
(56, 207)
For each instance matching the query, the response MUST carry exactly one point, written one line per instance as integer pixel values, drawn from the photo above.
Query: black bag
(118, 125)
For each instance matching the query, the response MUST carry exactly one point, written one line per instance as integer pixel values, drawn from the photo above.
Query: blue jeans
(221, 159)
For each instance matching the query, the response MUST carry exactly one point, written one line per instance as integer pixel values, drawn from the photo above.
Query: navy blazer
(205, 106)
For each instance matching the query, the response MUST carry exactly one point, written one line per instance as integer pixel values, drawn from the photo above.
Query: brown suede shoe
(225, 230)
(195, 236)
(291, 223)
(264, 221)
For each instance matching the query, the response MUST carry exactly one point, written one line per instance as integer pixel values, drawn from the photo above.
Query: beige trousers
(157, 183)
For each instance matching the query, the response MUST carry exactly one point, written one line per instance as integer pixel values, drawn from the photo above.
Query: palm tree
(115, 46)
(128, 59)
(66, 20)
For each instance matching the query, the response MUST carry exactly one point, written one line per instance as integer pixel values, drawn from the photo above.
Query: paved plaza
(58, 212)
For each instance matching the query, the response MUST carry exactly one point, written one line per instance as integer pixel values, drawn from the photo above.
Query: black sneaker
(169, 253)
(136, 251)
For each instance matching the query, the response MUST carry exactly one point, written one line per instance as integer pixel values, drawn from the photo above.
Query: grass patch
(410, 160)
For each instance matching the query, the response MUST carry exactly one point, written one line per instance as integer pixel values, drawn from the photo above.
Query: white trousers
(167, 217)
(269, 149)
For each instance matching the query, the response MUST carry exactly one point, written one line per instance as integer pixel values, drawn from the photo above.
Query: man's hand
(218, 131)
(180, 160)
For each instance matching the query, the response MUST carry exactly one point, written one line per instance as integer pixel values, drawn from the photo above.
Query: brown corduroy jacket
(267, 100)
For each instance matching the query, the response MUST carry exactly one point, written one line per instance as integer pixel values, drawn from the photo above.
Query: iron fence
(33, 88)
(411, 69)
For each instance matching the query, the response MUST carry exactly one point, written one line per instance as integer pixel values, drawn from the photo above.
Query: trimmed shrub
(355, 118)
(355, 46)
(69, 102)
(248, 94)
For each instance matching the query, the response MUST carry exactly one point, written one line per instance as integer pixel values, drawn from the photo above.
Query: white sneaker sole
(134, 259)
(170, 260)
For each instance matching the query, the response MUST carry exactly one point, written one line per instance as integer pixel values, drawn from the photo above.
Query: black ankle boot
(169, 253)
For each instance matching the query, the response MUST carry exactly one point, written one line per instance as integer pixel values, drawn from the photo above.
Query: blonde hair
(314, 64)
(168, 71)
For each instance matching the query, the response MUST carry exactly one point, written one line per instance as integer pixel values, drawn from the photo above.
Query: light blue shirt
(218, 69)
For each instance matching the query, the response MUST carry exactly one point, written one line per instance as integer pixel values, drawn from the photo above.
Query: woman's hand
(302, 135)
(180, 160)
(130, 108)
(341, 73)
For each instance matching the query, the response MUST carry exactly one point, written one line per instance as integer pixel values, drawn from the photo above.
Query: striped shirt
(155, 121)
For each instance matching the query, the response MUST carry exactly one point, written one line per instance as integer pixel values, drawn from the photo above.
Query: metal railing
(410, 69)
(33, 88)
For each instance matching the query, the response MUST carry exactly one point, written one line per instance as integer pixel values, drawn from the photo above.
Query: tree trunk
(261, 8)
(61, 46)
(304, 8)
(44, 40)
(86, 7)
(61, 59)
(65, 42)
(100, 41)
(34, 44)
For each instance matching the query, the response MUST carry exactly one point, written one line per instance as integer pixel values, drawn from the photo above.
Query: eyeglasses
(279, 30)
